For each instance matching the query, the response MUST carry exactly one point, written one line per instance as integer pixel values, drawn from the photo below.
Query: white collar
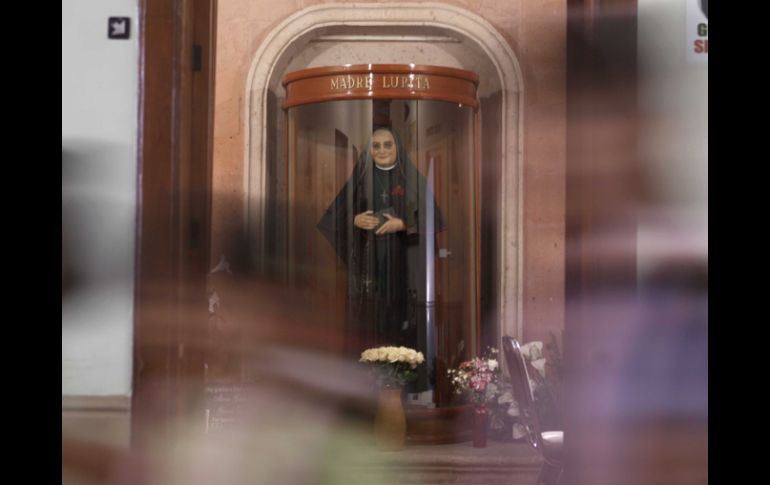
(386, 169)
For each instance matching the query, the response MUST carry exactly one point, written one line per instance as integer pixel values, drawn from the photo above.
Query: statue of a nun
(383, 225)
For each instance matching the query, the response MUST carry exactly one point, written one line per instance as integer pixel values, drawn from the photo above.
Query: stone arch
(286, 39)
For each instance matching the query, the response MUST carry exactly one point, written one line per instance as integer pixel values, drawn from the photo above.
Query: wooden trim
(96, 403)
(396, 94)
(380, 69)
(380, 81)
(172, 221)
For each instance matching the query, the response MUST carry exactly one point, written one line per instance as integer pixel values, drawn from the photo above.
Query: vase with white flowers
(393, 368)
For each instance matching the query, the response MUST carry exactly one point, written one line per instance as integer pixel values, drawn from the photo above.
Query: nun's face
(383, 148)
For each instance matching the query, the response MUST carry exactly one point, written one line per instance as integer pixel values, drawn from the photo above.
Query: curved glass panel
(379, 228)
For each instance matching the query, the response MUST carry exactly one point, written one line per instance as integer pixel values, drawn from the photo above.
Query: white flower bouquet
(393, 366)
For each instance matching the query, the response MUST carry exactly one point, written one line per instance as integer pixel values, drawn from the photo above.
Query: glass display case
(375, 218)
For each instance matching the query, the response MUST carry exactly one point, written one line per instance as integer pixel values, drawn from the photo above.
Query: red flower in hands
(397, 190)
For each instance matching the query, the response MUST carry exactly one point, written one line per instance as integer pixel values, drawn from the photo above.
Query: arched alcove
(424, 33)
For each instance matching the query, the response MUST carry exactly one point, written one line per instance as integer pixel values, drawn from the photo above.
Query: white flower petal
(519, 431)
(506, 397)
(532, 350)
(539, 365)
(513, 409)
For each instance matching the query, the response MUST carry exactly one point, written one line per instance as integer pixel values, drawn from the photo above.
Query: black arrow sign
(119, 27)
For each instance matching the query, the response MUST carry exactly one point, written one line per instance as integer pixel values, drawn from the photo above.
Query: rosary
(385, 196)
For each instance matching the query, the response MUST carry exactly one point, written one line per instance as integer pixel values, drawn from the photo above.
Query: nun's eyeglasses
(387, 145)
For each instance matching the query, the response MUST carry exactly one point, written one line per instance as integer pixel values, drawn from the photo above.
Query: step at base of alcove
(497, 464)
(438, 426)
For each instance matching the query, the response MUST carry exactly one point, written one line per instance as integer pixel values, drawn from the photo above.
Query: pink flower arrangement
(478, 377)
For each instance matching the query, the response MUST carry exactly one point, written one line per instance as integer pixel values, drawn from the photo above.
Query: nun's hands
(366, 220)
(393, 224)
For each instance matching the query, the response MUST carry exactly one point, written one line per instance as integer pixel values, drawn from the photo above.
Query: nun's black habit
(386, 273)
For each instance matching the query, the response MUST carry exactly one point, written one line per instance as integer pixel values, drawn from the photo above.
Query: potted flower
(393, 368)
(479, 379)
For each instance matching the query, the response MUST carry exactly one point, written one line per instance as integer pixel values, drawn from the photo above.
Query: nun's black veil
(381, 300)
